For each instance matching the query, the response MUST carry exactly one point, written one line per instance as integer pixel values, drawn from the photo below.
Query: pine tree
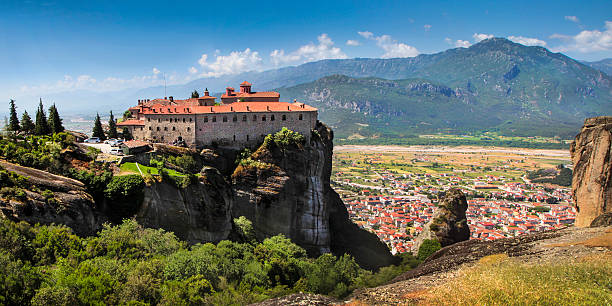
(195, 94)
(126, 134)
(55, 122)
(27, 126)
(97, 129)
(41, 127)
(112, 126)
(13, 121)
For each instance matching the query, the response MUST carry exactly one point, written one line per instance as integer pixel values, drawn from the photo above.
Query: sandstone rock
(289, 193)
(592, 179)
(71, 205)
(604, 219)
(448, 224)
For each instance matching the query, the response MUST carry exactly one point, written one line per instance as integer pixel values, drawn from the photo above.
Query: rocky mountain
(591, 153)
(604, 65)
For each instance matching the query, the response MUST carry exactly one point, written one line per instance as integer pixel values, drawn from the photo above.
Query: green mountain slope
(493, 85)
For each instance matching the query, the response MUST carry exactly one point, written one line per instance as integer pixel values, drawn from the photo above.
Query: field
(131, 168)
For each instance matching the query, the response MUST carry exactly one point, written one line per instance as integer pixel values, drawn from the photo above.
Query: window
(183, 120)
(224, 118)
(284, 117)
(247, 137)
(154, 137)
(300, 117)
(244, 118)
(190, 119)
(158, 120)
(150, 128)
(188, 129)
(263, 118)
(272, 118)
(165, 128)
(158, 128)
(141, 128)
(254, 117)
(175, 119)
(206, 119)
(148, 119)
(234, 137)
(162, 138)
(235, 119)
(174, 128)
(214, 119)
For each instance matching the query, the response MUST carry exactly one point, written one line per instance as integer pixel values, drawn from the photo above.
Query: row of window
(244, 118)
(171, 120)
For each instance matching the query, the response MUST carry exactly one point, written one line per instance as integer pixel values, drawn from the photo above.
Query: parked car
(116, 142)
(116, 151)
(92, 140)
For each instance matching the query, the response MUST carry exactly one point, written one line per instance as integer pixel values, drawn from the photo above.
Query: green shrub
(284, 139)
(428, 247)
(124, 187)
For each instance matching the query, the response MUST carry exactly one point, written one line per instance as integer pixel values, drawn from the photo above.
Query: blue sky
(54, 46)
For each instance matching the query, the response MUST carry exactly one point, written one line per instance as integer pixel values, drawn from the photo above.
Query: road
(105, 148)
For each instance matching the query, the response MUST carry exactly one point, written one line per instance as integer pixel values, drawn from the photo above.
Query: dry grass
(498, 280)
(604, 240)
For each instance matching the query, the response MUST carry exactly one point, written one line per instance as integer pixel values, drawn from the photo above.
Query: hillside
(604, 65)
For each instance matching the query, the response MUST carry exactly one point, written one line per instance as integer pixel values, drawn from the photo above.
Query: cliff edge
(592, 179)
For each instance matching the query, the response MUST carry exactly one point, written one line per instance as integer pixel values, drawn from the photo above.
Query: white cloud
(572, 19)
(427, 27)
(480, 36)
(586, 41)
(392, 47)
(156, 71)
(235, 62)
(193, 70)
(311, 52)
(527, 41)
(458, 43)
(366, 34)
(353, 43)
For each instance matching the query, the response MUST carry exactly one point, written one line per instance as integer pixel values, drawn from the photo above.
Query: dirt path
(460, 149)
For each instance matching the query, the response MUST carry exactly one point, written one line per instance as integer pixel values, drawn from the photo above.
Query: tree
(41, 127)
(55, 122)
(127, 114)
(126, 134)
(195, 94)
(112, 126)
(27, 126)
(13, 125)
(97, 129)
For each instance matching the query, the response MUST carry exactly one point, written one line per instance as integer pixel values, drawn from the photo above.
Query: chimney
(268, 107)
(229, 91)
(165, 98)
(171, 99)
(206, 94)
(231, 108)
(248, 108)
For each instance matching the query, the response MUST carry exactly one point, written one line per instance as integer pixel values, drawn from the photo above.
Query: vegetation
(41, 126)
(55, 122)
(98, 131)
(112, 126)
(428, 247)
(125, 133)
(13, 120)
(498, 280)
(550, 176)
(195, 94)
(129, 264)
(27, 126)
(284, 139)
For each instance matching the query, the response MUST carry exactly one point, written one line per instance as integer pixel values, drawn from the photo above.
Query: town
(394, 194)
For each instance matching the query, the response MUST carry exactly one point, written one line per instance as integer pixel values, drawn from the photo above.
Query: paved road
(105, 148)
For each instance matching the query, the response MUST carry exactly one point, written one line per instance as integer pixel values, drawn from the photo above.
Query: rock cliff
(51, 199)
(592, 179)
(287, 191)
(448, 224)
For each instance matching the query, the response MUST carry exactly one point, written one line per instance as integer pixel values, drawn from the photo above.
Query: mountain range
(495, 84)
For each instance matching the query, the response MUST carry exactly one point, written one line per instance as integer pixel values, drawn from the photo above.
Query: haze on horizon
(105, 46)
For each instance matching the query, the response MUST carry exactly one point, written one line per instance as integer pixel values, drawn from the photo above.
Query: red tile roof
(245, 83)
(240, 107)
(131, 122)
(257, 94)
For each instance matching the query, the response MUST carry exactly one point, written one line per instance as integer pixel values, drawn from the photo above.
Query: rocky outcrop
(287, 191)
(592, 178)
(198, 213)
(449, 223)
(604, 219)
(51, 199)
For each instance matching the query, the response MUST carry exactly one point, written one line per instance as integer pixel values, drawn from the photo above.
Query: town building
(242, 118)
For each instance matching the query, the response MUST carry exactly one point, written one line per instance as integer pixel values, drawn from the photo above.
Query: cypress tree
(126, 134)
(97, 129)
(195, 94)
(13, 120)
(112, 126)
(41, 127)
(27, 126)
(55, 122)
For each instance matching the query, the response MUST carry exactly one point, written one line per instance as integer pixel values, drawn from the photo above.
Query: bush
(284, 139)
(126, 186)
(428, 247)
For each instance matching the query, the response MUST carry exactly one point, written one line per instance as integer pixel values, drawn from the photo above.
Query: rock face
(198, 213)
(289, 193)
(70, 205)
(592, 179)
(449, 223)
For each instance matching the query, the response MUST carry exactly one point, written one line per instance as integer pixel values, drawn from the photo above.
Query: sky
(62, 46)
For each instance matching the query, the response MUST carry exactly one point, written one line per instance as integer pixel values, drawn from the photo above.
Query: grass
(498, 280)
(130, 168)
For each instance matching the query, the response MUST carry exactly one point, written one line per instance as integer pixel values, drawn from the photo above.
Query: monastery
(242, 118)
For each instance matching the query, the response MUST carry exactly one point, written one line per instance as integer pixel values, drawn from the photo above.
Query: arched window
(235, 118)
(272, 118)
(206, 119)
(158, 128)
(234, 137)
(247, 137)
(190, 119)
(150, 128)
(188, 129)
(284, 117)
(224, 118)
(254, 117)
(244, 118)
(263, 118)
(183, 120)
(300, 117)
(214, 119)
(174, 128)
